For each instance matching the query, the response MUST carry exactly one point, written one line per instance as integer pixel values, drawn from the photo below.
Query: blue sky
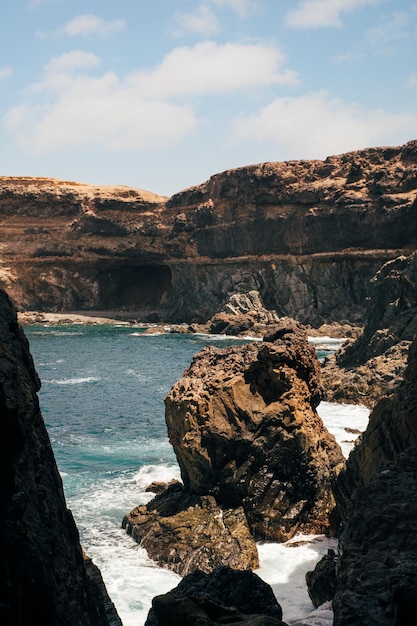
(161, 94)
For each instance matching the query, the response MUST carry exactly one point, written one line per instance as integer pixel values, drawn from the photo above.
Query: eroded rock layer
(307, 235)
(44, 577)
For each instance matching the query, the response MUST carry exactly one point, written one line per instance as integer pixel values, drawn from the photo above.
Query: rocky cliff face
(369, 368)
(44, 576)
(307, 235)
(374, 577)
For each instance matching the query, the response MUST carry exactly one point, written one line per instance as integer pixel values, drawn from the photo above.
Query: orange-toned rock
(244, 427)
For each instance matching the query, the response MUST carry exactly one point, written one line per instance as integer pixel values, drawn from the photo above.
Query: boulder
(243, 313)
(244, 427)
(225, 596)
(321, 582)
(44, 576)
(184, 532)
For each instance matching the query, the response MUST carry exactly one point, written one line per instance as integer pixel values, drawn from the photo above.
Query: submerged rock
(244, 427)
(184, 532)
(225, 596)
(44, 577)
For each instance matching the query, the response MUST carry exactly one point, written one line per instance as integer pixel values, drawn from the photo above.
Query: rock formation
(44, 577)
(369, 368)
(307, 235)
(225, 596)
(244, 313)
(185, 532)
(244, 428)
(376, 496)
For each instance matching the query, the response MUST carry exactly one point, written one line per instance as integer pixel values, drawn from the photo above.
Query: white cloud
(72, 107)
(205, 21)
(5, 72)
(412, 81)
(316, 125)
(210, 68)
(391, 33)
(240, 7)
(202, 21)
(318, 13)
(89, 24)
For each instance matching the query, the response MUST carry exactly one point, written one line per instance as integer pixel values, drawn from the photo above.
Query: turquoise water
(102, 398)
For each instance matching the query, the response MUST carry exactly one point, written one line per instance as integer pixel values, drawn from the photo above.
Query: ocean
(102, 396)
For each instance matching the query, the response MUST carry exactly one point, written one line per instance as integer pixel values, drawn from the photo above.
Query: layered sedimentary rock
(307, 235)
(225, 596)
(244, 428)
(44, 577)
(369, 367)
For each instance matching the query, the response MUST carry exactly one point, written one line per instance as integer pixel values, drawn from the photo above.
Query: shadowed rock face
(223, 597)
(369, 368)
(44, 577)
(244, 428)
(307, 235)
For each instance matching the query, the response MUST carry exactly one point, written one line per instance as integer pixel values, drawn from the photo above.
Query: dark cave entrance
(135, 287)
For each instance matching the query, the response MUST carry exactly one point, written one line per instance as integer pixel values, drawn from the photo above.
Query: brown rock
(244, 427)
(44, 578)
(184, 532)
(307, 235)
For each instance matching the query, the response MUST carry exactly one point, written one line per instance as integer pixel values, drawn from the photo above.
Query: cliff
(307, 235)
(44, 576)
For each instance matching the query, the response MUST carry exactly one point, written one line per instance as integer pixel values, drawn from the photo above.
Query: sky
(162, 94)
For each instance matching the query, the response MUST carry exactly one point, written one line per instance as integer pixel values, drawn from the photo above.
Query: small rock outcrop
(44, 576)
(225, 596)
(244, 313)
(184, 532)
(244, 428)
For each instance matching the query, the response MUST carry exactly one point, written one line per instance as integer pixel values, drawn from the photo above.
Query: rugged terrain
(307, 235)
(44, 576)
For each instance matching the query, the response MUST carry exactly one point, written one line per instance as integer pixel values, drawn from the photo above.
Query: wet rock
(225, 596)
(184, 532)
(321, 582)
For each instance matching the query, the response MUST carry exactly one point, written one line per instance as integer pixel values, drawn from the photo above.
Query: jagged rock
(244, 428)
(369, 367)
(44, 578)
(184, 532)
(392, 429)
(243, 313)
(307, 235)
(225, 596)
(377, 575)
(321, 582)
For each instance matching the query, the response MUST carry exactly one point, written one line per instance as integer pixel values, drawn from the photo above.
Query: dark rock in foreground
(225, 596)
(377, 577)
(44, 578)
